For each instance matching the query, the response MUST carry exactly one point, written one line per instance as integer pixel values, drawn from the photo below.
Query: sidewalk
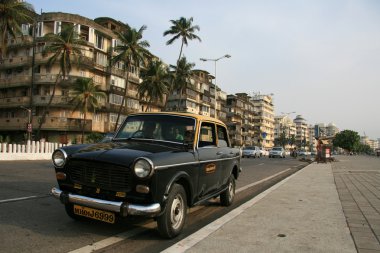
(303, 213)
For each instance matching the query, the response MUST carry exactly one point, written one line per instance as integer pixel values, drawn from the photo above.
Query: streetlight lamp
(29, 126)
(215, 60)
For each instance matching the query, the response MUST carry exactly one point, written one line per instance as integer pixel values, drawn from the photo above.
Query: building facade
(284, 127)
(302, 132)
(263, 109)
(27, 81)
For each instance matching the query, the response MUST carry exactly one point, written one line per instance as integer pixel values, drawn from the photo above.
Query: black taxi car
(157, 165)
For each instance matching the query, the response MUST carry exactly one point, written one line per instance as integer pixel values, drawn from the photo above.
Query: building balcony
(13, 124)
(25, 40)
(62, 101)
(15, 81)
(15, 62)
(65, 124)
(14, 102)
(51, 123)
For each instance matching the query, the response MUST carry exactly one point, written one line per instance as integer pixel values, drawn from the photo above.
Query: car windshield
(277, 149)
(157, 127)
(248, 148)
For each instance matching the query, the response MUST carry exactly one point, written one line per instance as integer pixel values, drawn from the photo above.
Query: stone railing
(31, 151)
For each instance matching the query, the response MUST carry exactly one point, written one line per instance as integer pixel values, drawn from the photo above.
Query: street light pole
(215, 60)
(29, 126)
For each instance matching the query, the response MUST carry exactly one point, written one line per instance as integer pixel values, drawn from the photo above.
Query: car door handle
(219, 153)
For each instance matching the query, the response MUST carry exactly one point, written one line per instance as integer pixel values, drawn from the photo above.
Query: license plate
(94, 214)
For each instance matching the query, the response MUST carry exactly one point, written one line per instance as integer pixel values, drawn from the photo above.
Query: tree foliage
(132, 50)
(12, 14)
(86, 95)
(347, 139)
(155, 83)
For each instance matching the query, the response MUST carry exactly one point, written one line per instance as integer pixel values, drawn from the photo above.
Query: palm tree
(183, 72)
(182, 29)
(65, 48)
(155, 82)
(13, 13)
(132, 50)
(86, 95)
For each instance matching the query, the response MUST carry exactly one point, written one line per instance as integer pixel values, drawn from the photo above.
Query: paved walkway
(303, 213)
(358, 183)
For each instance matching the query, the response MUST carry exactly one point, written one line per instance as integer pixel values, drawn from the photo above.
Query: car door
(209, 156)
(226, 154)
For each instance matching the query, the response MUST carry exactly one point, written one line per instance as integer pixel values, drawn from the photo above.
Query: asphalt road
(33, 221)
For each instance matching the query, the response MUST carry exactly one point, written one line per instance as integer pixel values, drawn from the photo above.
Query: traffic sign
(29, 127)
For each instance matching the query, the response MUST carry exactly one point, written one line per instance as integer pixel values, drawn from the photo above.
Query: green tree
(86, 96)
(292, 140)
(64, 48)
(94, 137)
(281, 140)
(182, 74)
(155, 83)
(132, 50)
(13, 13)
(347, 139)
(183, 29)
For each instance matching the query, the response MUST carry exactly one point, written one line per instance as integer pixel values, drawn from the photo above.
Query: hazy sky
(320, 58)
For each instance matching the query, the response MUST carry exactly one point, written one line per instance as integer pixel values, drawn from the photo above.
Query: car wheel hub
(231, 190)
(177, 212)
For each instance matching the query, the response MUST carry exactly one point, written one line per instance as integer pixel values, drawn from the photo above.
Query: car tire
(172, 221)
(227, 197)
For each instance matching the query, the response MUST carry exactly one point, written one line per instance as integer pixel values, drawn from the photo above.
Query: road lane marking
(151, 225)
(17, 199)
(260, 164)
(261, 181)
(204, 232)
(114, 239)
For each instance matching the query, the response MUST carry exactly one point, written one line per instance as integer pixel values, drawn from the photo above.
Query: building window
(117, 81)
(57, 27)
(115, 99)
(113, 118)
(134, 104)
(98, 117)
(101, 59)
(99, 43)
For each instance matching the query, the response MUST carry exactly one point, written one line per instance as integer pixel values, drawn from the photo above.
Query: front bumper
(123, 208)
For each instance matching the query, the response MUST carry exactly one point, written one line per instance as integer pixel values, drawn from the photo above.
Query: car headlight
(143, 168)
(59, 158)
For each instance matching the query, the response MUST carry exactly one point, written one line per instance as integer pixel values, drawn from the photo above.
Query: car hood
(123, 153)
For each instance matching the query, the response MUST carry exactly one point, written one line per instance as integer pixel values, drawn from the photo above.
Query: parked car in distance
(251, 151)
(264, 152)
(157, 165)
(303, 152)
(277, 152)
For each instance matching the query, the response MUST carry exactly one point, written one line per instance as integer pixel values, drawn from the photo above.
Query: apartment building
(199, 97)
(302, 132)
(26, 82)
(240, 119)
(284, 126)
(263, 109)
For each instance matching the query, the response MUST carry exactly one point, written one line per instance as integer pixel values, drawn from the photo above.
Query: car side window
(207, 136)
(222, 137)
